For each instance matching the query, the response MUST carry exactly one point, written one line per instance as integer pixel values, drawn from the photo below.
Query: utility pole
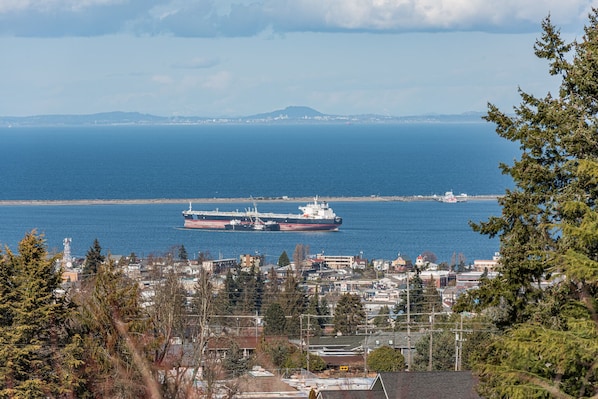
(459, 343)
(456, 347)
(308, 332)
(431, 340)
(461, 339)
(307, 354)
(256, 327)
(366, 342)
(408, 327)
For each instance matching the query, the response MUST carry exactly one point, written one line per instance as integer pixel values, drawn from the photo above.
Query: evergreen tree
(552, 355)
(349, 314)
(548, 226)
(432, 299)
(382, 320)
(324, 312)
(274, 320)
(284, 260)
(40, 356)
(227, 298)
(248, 295)
(555, 135)
(259, 291)
(293, 302)
(278, 351)
(234, 361)
(443, 352)
(183, 253)
(447, 332)
(93, 259)
(271, 288)
(416, 299)
(313, 325)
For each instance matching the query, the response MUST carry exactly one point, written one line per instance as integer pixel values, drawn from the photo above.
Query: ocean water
(181, 162)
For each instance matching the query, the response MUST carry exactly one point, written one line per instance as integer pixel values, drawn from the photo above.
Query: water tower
(67, 259)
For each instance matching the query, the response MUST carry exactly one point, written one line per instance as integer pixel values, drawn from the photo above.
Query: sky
(244, 57)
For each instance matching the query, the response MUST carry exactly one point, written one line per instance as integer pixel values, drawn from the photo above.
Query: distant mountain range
(294, 114)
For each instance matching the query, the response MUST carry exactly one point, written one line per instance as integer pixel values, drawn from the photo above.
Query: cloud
(218, 81)
(242, 18)
(162, 79)
(197, 63)
(53, 5)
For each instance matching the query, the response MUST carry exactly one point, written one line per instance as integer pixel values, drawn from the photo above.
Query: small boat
(268, 225)
(252, 225)
(451, 198)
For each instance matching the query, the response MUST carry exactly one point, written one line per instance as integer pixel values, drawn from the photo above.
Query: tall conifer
(93, 259)
(39, 356)
(547, 229)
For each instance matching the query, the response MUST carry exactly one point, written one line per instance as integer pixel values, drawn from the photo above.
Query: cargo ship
(314, 216)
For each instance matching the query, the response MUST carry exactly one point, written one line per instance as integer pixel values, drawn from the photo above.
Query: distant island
(289, 115)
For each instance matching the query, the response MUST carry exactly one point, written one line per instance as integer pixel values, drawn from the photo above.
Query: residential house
(413, 385)
(338, 351)
(218, 347)
(488, 265)
(449, 296)
(381, 264)
(398, 340)
(261, 384)
(402, 264)
(360, 263)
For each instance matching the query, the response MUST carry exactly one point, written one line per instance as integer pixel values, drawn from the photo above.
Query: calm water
(242, 161)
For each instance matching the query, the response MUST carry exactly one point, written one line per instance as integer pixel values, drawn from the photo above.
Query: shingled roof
(413, 385)
(351, 394)
(427, 385)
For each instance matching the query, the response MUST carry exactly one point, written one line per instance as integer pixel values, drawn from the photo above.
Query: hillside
(291, 114)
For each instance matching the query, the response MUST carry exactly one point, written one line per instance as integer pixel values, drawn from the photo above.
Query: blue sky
(242, 57)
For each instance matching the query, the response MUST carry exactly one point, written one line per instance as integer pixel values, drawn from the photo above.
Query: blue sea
(239, 161)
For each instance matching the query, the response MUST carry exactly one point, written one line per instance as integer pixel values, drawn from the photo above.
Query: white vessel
(451, 198)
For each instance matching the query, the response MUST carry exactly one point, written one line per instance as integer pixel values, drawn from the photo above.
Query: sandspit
(149, 201)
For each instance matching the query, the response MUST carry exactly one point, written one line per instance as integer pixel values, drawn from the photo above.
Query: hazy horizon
(244, 57)
(277, 110)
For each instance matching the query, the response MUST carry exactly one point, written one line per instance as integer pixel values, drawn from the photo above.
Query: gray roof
(427, 385)
(413, 385)
(351, 394)
(346, 342)
(394, 339)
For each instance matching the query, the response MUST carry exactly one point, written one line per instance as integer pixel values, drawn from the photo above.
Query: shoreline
(150, 201)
